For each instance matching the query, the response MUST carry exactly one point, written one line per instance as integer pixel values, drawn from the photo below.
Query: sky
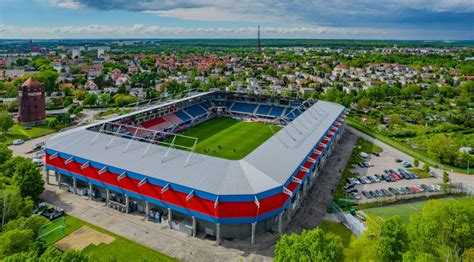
(318, 19)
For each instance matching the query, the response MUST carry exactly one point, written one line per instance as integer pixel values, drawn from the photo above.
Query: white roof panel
(267, 167)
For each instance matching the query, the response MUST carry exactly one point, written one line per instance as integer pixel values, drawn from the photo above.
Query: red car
(395, 177)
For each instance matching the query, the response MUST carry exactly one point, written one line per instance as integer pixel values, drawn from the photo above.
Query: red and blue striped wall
(231, 209)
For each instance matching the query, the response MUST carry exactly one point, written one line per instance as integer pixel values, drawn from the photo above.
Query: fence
(351, 222)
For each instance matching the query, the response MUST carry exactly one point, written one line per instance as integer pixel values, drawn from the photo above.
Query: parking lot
(383, 176)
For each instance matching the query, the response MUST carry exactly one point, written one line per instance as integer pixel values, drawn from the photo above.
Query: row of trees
(442, 231)
(20, 185)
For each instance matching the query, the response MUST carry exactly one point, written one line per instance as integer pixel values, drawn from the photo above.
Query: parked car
(17, 142)
(420, 189)
(378, 193)
(407, 164)
(386, 193)
(363, 155)
(394, 191)
(372, 194)
(366, 195)
(38, 146)
(375, 153)
(398, 160)
(427, 188)
(368, 164)
(38, 162)
(355, 196)
(372, 180)
(375, 178)
(352, 190)
(406, 190)
(394, 177)
(387, 178)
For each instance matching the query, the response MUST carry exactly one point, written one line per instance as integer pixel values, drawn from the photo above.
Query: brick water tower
(32, 104)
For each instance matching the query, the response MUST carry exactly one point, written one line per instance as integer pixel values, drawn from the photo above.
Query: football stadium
(215, 164)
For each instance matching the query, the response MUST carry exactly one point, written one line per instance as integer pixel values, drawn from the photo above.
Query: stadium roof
(267, 167)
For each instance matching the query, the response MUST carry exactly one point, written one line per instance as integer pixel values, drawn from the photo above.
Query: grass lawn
(340, 230)
(20, 132)
(226, 137)
(121, 249)
(405, 210)
(420, 172)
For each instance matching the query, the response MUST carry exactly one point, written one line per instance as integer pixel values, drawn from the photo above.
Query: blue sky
(356, 19)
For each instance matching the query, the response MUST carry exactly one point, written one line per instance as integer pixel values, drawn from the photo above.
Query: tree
(52, 123)
(6, 122)
(32, 223)
(21, 257)
(104, 99)
(442, 231)
(384, 240)
(416, 162)
(442, 228)
(74, 256)
(444, 148)
(8, 168)
(426, 168)
(28, 178)
(445, 177)
(48, 77)
(15, 241)
(5, 153)
(12, 205)
(393, 239)
(90, 99)
(51, 254)
(311, 245)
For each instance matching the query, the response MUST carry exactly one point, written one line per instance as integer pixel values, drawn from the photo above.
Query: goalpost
(54, 230)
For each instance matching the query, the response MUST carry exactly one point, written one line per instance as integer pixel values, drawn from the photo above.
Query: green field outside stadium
(121, 249)
(226, 137)
(404, 210)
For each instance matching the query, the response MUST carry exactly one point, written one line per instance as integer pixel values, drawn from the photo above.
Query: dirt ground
(82, 238)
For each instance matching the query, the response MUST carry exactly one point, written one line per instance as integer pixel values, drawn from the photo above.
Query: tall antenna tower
(259, 48)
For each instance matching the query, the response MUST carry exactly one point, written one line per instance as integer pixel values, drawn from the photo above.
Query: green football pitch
(226, 137)
(404, 210)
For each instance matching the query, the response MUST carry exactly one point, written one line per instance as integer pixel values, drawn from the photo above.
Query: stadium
(218, 164)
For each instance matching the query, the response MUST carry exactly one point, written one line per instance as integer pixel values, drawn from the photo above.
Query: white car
(363, 155)
(17, 142)
(38, 162)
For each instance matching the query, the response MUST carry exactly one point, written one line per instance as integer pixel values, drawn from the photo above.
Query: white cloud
(155, 31)
(69, 4)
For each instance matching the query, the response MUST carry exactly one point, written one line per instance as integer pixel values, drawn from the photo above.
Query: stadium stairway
(256, 109)
(172, 118)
